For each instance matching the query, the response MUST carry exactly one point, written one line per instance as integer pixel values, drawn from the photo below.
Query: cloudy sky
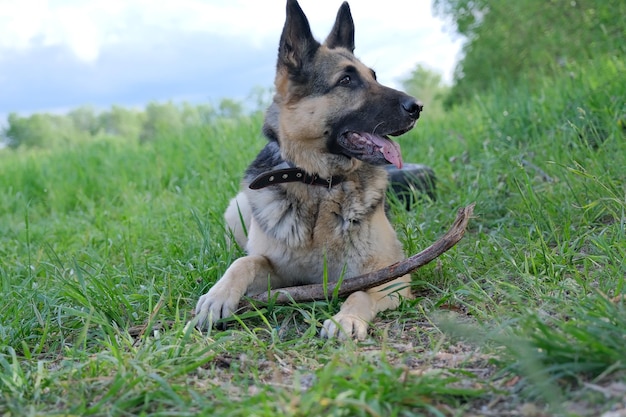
(58, 54)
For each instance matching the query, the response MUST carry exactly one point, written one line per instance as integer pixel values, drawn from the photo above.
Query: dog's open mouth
(371, 148)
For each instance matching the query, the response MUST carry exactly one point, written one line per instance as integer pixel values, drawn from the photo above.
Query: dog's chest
(318, 217)
(345, 218)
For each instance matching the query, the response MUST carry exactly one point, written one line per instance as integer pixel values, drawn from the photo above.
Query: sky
(56, 55)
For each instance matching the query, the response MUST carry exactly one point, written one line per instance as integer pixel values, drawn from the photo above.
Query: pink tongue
(389, 148)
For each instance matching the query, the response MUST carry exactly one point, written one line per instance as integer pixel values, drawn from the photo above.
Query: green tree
(507, 40)
(22, 133)
(261, 97)
(122, 122)
(197, 115)
(161, 119)
(230, 108)
(85, 119)
(427, 86)
(41, 130)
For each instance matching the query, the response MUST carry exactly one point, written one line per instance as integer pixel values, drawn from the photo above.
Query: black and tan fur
(330, 118)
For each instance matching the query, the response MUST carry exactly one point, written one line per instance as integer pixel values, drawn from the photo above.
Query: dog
(312, 203)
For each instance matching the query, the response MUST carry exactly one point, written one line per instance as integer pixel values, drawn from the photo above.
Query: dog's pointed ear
(342, 33)
(297, 45)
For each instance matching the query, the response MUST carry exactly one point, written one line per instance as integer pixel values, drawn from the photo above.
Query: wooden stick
(313, 292)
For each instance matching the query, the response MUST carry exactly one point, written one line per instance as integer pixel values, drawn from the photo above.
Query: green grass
(98, 238)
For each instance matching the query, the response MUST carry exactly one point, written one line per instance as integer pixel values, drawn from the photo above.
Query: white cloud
(20, 21)
(78, 30)
(86, 26)
(387, 32)
(73, 52)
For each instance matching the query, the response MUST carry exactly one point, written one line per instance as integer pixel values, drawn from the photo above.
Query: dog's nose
(412, 106)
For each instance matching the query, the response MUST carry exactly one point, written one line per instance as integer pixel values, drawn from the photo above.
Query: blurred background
(75, 70)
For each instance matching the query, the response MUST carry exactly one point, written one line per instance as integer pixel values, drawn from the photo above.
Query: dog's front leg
(223, 298)
(353, 317)
(361, 307)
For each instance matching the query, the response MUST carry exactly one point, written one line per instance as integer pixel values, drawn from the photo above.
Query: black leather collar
(291, 174)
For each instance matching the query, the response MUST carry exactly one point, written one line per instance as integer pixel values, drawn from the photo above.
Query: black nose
(412, 106)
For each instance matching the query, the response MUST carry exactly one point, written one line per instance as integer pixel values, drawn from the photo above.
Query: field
(106, 245)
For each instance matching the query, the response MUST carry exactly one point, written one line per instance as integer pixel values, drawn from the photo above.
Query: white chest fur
(311, 231)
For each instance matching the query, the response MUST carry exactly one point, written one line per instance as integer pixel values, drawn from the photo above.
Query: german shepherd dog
(313, 201)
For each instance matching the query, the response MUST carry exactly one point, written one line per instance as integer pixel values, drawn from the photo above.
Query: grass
(525, 315)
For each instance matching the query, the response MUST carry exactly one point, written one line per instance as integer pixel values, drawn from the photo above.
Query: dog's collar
(286, 173)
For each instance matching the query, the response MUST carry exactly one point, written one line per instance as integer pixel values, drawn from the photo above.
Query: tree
(122, 122)
(161, 119)
(261, 97)
(231, 109)
(41, 130)
(85, 119)
(197, 115)
(427, 86)
(507, 40)
(22, 133)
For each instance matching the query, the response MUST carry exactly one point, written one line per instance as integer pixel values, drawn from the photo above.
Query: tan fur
(295, 229)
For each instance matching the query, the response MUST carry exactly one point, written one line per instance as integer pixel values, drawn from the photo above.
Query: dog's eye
(345, 80)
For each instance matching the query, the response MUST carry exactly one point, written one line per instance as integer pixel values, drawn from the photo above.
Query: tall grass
(98, 238)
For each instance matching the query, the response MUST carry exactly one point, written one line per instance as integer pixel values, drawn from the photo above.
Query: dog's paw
(345, 326)
(213, 306)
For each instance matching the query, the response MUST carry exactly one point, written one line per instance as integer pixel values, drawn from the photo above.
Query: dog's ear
(342, 33)
(297, 45)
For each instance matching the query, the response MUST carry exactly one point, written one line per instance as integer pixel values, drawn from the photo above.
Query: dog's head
(329, 113)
